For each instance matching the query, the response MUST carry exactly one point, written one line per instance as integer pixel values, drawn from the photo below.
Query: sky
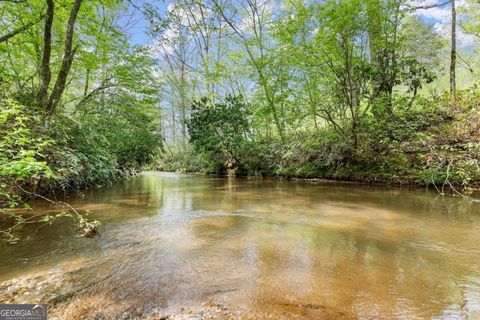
(439, 17)
(138, 31)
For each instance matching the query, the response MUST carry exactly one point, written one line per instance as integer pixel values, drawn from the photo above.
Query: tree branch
(21, 29)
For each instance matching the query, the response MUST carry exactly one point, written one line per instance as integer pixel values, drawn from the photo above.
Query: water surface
(264, 247)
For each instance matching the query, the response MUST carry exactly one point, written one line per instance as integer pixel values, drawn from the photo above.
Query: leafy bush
(22, 158)
(218, 131)
(93, 149)
(70, 152)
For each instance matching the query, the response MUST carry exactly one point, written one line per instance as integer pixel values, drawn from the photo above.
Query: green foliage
(219, 131)
(22, 158)
(106, 123)
(28, 160)
(38, 154)
(427, 142)
(180, 158)
(21, 152)
(94, 148)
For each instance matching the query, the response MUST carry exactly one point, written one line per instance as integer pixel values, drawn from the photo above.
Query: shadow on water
(323, 250)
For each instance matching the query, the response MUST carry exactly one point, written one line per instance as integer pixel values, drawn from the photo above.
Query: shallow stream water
(171, 243)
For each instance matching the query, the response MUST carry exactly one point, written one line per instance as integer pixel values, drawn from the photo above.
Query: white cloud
(442, 19)
(438, 14)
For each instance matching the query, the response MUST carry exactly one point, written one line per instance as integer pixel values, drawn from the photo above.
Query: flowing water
(264, 248)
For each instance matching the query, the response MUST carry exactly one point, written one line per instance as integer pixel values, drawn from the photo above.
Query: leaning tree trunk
(453, 53)
(68, 54)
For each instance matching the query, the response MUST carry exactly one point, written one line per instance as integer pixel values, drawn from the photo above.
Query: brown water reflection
(294, 250)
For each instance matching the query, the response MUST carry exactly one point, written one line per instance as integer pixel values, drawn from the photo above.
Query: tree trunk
(46, 74)
(453, 53)
(67, 60)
